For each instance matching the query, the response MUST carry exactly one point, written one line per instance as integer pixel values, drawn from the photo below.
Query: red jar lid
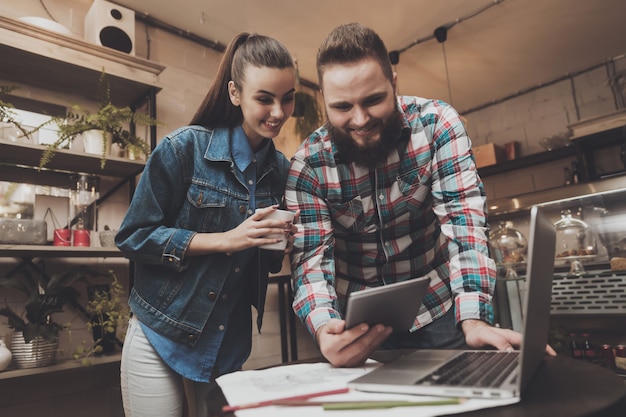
(620, 351)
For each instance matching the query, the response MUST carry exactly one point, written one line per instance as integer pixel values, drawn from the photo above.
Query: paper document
(252, 386)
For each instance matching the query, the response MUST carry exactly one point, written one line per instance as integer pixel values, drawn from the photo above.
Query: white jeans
(150, 388)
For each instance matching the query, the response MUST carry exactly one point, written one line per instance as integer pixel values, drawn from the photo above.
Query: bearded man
(388, 191)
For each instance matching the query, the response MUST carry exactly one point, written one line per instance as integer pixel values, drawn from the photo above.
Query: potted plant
(34, 341)
(109, 122)
(108, 313)
(307, 110)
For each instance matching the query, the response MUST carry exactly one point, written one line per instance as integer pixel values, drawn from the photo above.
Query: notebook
(419, 371)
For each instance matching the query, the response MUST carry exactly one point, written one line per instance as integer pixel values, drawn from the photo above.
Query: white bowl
(47, 24)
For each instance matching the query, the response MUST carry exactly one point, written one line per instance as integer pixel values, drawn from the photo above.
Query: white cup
(286, 216)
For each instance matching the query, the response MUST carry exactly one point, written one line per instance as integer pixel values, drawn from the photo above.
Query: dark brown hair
(352, 43)
(245, 49)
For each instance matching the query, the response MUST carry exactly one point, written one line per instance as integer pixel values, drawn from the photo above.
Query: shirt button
(242, 209)
(381, 197)
(212, 296)
(170, 259)
(250, 182)
(250, 212)
(221, 327)
(224, 296)
(237, 269)
(191, 337)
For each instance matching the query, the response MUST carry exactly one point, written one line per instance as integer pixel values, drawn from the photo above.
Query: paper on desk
(284, 381)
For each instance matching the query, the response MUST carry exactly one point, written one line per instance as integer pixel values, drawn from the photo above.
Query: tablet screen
(394, 305)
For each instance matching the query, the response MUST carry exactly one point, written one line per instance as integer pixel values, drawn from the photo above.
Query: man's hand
(479, 334)
(352, 347)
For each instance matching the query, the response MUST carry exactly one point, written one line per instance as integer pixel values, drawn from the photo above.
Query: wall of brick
(534, 116)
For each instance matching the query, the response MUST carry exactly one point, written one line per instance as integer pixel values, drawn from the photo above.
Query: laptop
(491, 373)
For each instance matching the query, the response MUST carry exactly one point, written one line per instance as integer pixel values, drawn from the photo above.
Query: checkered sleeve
(460, 204)
(312, 264)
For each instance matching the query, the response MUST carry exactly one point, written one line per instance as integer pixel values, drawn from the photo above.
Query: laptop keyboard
(476, 369)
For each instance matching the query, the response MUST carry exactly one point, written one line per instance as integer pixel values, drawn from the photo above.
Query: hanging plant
(108, 119)
(307, 110)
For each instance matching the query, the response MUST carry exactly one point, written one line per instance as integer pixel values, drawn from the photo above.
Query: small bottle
(575, 173)
(575, 349)
(590, 350)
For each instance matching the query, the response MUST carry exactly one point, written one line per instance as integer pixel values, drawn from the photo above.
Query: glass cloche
(508, 247)
(575, 241)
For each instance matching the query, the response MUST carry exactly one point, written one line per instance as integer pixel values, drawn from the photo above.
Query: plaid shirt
(422, 213)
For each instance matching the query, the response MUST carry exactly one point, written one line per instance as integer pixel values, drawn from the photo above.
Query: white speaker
(110, 25)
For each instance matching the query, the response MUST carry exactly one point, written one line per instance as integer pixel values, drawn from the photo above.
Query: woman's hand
(250, 233)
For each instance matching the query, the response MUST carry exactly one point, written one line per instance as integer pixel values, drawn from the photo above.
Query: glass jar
(82, 209)
(508, 247)
(575, 241)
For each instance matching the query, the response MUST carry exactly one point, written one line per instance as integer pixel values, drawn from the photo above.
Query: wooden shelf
(578, 146)
(48, 60)
(62, 366)
(49, 251)
(528, 161)
(25, 154)
(67, 66)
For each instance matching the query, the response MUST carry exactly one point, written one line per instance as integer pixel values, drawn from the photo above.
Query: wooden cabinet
(69, 65)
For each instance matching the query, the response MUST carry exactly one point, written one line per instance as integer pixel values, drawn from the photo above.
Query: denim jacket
(189, 185)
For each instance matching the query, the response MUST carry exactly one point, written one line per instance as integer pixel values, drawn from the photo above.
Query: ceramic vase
(5, 355)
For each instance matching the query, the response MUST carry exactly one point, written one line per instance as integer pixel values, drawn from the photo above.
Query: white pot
(135, 154)
(92, 141)
(5, 356)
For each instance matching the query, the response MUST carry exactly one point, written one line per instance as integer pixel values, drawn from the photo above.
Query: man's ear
(233, 93)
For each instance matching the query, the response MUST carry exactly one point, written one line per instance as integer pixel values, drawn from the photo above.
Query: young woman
(194, 227)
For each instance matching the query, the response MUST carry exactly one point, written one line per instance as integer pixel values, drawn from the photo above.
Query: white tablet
(394, 305)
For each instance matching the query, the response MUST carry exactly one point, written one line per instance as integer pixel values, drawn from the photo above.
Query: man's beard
(370, 154)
